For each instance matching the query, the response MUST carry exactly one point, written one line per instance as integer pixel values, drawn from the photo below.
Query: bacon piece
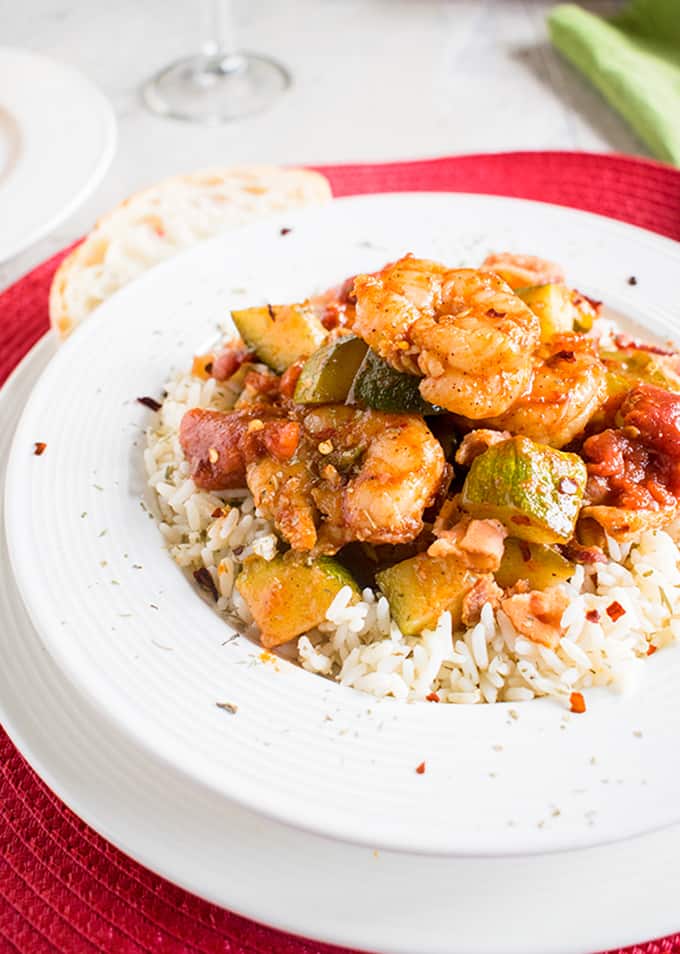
(476, 543)
(229, 360)
(289, 378)
(538, 614)
(578, 553)
(262, 383)
(476, 442)
(484, 591)
(214, 444)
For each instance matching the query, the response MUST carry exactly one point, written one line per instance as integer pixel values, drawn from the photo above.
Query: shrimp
(463, 330)
(282, 493)
(356, 475)
(519, 271)
(569, 385)
(398, 477)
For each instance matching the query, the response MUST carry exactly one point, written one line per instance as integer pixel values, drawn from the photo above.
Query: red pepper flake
(39, 448)
(285, 231)
(492, 313)
(565, 356)
(433, 697)
(149, 402)
(615, 611)
(567, 486)
(632, 280)
(651, 649)
(593, 616)
(420, 769)
(206, 582)
(525, 550)
(521, 520)
(218, 512)
(577, 703)
(272, 313)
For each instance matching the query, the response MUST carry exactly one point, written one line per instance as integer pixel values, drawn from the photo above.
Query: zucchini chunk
(290, 594)
(535, 490)
(558, 308)
(327, 376)
(421, 588)
(379, 386)
(629, 367)
(280, 334)
(541, 566)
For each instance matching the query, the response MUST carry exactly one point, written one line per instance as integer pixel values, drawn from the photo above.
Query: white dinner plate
(57, 139)
(132, 633)
(569, 903)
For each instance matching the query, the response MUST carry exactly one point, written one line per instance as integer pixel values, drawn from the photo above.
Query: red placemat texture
(64, 888)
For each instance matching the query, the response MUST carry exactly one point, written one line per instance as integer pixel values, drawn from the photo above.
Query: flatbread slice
(154, 224)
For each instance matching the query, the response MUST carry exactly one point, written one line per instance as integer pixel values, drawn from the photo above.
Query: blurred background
(371, 80)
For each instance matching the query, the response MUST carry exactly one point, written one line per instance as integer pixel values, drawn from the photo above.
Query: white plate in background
(142, 645)
(57, 139)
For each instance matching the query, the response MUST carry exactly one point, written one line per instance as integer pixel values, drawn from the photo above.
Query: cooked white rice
(361, 646)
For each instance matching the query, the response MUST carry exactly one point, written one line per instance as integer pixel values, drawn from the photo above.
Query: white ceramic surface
(579, 902)
(135, 637)
(57, 139)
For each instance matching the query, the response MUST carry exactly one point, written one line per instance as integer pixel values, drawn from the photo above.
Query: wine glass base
(215, 88)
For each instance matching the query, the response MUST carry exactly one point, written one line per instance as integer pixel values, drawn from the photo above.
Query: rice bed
(361, 646)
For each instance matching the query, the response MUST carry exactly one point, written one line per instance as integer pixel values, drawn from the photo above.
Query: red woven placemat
(63, 888)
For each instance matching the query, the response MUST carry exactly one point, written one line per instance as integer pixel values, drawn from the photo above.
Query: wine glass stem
(221, 40)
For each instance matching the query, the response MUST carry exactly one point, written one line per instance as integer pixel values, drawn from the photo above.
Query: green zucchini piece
(541, 566)
(421, 588)
(379, 386)
(290, 594)
(629, 367)
(280, 334)
(535, 490)
(327, 376)
(559, 309)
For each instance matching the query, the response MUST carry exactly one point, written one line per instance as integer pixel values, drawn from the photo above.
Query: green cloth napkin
(634, 60)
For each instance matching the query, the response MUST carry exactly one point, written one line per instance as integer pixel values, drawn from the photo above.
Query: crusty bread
(154, 224)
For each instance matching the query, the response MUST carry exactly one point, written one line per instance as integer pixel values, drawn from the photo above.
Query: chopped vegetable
(522, 484)
(559, 309)
(379, 386)
(629, 367)
(540, 565)
(327, 376)
(280, 334)
(419, 590)
(290, 594)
